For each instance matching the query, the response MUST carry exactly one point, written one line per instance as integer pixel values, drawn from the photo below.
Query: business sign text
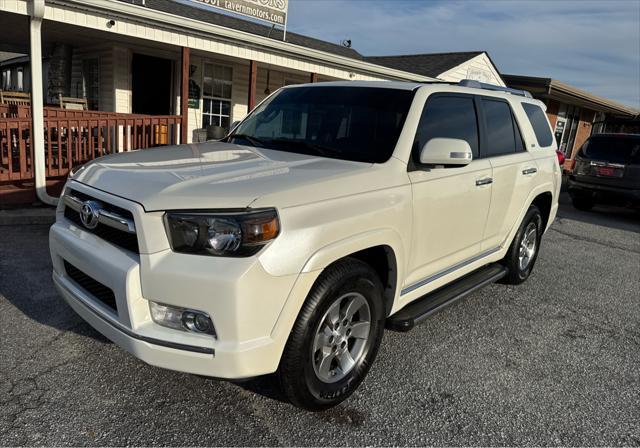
(272, 11)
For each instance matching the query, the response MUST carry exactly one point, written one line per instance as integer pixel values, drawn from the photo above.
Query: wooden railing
(73, 137)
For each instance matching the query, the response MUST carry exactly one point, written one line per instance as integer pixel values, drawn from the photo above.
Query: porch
(71, 138)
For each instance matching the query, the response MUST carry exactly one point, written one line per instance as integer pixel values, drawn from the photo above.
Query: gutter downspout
(36, 13)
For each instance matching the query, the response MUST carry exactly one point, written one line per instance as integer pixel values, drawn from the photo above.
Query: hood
(216, 175)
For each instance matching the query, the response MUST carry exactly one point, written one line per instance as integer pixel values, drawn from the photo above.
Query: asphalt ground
(555, 361)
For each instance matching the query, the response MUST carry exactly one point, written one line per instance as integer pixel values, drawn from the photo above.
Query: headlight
(239, 234)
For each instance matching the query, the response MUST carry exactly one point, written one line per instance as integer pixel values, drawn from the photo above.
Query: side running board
(417, 311)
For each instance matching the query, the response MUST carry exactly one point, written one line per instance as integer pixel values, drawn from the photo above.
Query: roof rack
(481, 85)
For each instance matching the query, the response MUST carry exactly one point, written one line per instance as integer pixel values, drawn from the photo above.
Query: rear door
(514, 170)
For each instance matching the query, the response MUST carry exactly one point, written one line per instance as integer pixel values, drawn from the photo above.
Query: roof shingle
(432, 64)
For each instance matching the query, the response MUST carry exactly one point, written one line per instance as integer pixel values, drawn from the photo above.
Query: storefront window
(91, 82)
(571, 128)
(216, 94)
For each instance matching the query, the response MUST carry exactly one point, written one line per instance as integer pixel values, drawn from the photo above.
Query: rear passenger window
(501, 130)
(448, 117)
(539, 123)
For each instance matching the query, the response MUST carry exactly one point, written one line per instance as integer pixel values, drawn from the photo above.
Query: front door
(151, 85)
(450, 205)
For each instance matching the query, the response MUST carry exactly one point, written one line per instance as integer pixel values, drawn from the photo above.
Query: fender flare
(326, 255)
(547, 187)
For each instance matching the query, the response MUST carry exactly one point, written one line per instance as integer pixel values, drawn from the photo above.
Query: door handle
(528, 171)
(485, 181)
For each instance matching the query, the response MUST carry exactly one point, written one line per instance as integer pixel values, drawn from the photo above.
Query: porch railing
(73, 137)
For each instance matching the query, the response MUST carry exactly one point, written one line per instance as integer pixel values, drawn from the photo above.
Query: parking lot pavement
(555, 361)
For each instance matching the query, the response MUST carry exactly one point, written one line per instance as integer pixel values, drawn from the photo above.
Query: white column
(37, 102)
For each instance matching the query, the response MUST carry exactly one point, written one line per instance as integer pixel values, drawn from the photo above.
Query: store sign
(478, 74)
(272, 11)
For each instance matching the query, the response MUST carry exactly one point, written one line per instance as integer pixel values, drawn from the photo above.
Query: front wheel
(335, 338)
(523, 252)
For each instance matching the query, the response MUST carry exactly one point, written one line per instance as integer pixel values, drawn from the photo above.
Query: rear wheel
(523, 252)
(583, 202)
(335, 338)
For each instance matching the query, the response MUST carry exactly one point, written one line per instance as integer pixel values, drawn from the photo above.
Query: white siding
(479, 68)
(15, 6)
(122, 79)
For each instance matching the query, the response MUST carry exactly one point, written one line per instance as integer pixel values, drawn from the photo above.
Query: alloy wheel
(528, 246)
(341, 337)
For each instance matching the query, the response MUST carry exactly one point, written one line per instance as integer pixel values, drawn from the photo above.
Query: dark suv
(607, 170)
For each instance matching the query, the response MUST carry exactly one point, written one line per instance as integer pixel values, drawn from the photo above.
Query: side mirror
(446, 151)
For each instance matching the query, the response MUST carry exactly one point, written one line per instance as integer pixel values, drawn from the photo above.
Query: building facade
(574, 114)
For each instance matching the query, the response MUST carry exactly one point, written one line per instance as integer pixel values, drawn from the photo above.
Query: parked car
(607, 170)
(331, 211)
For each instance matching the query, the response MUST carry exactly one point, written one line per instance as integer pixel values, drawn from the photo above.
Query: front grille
(125, 240)
(91, 286)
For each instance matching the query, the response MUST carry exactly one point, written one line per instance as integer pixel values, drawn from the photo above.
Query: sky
(593, 45)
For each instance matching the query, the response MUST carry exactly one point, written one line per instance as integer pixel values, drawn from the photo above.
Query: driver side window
(447, 116)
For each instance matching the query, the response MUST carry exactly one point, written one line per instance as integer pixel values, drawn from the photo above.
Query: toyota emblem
(89, 214)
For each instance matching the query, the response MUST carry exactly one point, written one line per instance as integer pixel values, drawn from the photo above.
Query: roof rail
(481, 85)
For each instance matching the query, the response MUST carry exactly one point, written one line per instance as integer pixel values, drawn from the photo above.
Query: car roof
(397, 85)
(404, 85)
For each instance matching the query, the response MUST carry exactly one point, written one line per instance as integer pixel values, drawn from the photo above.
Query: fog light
(181, 318)
(197, 322)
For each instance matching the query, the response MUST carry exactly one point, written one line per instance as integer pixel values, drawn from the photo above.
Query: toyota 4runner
(330, 212)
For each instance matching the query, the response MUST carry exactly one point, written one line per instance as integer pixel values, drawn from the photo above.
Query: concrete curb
(28, 216)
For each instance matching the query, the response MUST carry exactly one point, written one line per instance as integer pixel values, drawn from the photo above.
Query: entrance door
(151, 85)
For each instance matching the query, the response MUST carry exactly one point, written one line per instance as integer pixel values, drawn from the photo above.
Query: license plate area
(608, 171)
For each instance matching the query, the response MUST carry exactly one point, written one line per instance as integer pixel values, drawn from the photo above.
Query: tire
(583, 202)
(520, 261)
(308, 381)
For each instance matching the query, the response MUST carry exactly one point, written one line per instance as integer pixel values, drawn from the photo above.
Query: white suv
(331, 211)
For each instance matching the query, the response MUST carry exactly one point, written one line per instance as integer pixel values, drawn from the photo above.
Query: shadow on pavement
(614, 217)
(25, 280)
(266, 385)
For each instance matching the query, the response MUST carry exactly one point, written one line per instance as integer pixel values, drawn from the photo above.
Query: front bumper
(247, 305)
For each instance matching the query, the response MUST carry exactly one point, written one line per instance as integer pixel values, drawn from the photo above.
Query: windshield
(612, 148)
(350, 123)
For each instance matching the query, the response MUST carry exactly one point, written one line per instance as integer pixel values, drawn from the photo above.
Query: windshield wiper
(320, 149)
(255, 141)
